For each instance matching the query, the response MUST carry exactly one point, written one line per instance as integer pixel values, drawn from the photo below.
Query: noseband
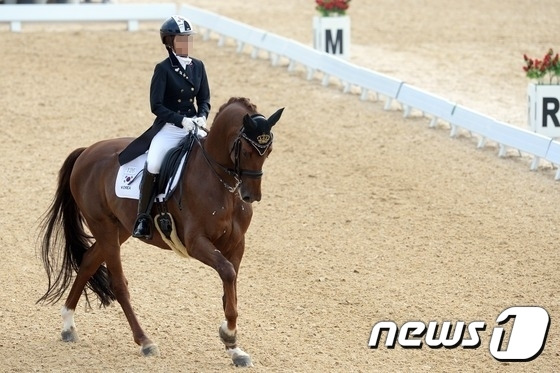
(261, 145)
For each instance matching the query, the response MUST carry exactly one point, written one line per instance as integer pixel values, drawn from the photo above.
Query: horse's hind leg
(90, 263)
(120, 288)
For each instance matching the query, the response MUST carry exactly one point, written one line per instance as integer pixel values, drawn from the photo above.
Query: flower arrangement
(540, 70)
(332, 7)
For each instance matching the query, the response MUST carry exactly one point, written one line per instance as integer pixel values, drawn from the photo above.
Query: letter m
(331, 45)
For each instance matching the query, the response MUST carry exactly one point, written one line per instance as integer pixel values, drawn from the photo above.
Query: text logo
(527, 337)
(526, 340)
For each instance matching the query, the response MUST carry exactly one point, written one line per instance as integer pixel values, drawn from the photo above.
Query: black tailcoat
(173, 92)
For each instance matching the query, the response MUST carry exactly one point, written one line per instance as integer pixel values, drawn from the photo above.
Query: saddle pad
(130, 175)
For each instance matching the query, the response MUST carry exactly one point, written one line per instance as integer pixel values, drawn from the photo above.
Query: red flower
(326, 7)
(539, 69)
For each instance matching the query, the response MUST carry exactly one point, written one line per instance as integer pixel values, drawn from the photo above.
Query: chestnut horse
(212, 215)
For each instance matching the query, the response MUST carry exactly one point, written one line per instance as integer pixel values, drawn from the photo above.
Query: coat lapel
(178, 69)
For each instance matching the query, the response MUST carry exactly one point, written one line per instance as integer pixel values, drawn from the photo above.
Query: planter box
(332, 35)
(544, 109)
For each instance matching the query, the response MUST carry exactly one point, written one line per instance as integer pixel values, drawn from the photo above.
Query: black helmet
(175, 25)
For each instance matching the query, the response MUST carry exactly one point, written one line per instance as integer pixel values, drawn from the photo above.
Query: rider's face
(183, 44)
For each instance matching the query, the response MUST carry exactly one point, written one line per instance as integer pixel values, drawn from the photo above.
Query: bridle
(261, 146)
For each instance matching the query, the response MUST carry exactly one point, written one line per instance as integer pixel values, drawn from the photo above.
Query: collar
(177, 61)
(184, 61)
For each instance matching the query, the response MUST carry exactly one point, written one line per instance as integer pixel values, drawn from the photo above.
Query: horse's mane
(241, 100)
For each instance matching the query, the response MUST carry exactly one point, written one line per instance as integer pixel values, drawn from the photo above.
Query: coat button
(192, 89)
(191, 100)
(182, 90)
(179, 100)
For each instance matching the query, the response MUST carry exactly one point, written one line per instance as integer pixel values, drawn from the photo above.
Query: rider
(177, 82)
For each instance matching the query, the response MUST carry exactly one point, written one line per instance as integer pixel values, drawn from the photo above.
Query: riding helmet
(175, 25)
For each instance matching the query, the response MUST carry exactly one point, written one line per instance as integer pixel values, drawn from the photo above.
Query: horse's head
(250, 150)
(239, 142)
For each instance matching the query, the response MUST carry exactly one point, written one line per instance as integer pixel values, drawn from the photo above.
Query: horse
(226, 165)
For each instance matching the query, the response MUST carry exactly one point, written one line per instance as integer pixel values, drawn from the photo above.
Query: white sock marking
(226, 330)
(67, 318)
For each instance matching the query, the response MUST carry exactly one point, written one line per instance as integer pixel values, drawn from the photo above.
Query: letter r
(550, 112)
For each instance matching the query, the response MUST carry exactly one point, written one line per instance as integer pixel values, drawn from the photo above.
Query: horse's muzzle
(250, 199)
(249, 196)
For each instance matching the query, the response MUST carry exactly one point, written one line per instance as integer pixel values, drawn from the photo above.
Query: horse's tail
(63, 225)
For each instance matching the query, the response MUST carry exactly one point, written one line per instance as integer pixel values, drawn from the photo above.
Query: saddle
(172, 166)
(129, 176)
(169, 176)
(128, 181)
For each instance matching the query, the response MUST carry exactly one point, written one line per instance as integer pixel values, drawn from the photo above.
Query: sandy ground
(365, 216)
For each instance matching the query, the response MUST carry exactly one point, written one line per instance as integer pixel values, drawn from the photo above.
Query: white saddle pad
(130, 175)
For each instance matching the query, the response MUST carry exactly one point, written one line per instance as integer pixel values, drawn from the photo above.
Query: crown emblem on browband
(263, 139)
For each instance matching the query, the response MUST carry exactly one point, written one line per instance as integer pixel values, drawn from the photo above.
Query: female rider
(177, 82)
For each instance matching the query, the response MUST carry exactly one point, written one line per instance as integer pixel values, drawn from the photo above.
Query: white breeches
(168, 137)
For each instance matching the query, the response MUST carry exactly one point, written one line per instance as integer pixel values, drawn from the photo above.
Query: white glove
(200, 121)
(188, 124)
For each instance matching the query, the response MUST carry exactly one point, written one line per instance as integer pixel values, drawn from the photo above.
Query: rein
(237, 172)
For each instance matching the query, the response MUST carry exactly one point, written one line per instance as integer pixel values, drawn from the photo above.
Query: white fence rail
(482, 126)
(276, 47)
(130, 13)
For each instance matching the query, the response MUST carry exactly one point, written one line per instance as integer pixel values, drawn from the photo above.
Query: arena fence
(316, 64)
(76, 12)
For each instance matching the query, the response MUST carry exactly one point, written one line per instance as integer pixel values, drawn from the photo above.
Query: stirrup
(143, 227)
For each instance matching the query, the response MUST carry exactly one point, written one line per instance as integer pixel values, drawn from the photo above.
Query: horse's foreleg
(90, 262)
(229, 338)
(206, 252)
(120, 288)
(227, 334)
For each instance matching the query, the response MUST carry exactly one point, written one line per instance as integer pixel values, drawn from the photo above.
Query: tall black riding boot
(143, 225)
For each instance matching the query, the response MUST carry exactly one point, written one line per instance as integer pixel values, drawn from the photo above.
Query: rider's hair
(168, 41)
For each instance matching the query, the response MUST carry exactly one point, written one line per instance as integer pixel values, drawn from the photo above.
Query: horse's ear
(249, 122)
(275, 117)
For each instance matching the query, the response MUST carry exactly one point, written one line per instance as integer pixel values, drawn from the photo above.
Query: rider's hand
(188, 124)
(200, 121)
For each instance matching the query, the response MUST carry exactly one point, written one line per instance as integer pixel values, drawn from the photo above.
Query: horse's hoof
(69, 335)
(242, 361)
(240, 358)
(150, 350)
